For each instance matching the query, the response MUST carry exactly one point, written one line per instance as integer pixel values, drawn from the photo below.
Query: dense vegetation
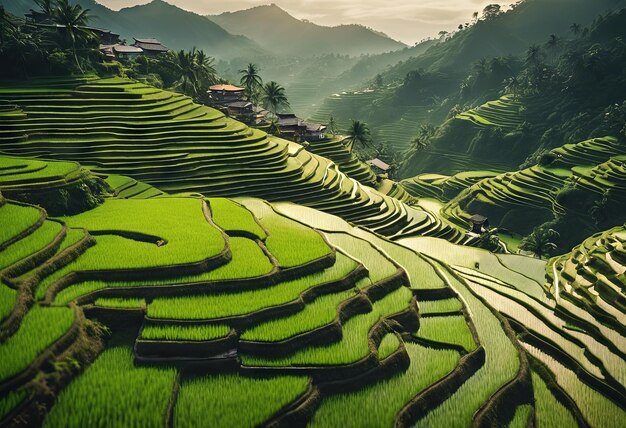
(162, 264)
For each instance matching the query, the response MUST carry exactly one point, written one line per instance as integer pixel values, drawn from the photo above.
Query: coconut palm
(576, 29)
(73, 19)
(184, 62)
(534, 55)
(204, 68)
(251, 80)
(359, 133)
(46, 8)
(539, 242)
(332, 126)
(274, 97)
(553, 44)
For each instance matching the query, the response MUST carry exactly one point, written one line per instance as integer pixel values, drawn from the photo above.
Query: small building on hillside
(224, 94)
(118, 51)
(378, 166)
(291, 126)
(151, 47)
(479, 224)
(242, 110)
(314, 131)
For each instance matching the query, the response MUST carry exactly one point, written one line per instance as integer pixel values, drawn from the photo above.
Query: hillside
(174, 27)
(444, 77)
(153, 307)
(277, 31)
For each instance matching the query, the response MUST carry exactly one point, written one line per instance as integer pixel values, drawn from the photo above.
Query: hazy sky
(405, 20)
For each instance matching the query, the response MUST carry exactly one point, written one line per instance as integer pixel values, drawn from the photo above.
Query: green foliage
(194, 333)
(273, 97)
(231, 400)
(241, 303)
(232, 218)
(447, 329)
(378, 404)
(40, 328)
(540, 241)
(320, 312)
(112, 391)
(388, 346)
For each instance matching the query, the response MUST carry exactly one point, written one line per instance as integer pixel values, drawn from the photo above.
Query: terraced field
(186, 306)
(505, 113)
(165, 140)
(577, 176)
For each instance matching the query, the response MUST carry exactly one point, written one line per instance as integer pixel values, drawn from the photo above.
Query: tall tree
(553, 44)
(358, 133)
(184, 62)
(332, 126)
(251, 80)
(73, 19)
(274, 97)
(534, 55)
(539, 242)
(204, 68)
(576, 29)
(47, 8)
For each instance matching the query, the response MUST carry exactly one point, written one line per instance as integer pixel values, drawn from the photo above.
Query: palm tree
(359, 132)
(251, 80)
(6, 24)
(204, 67)
(539, 242)
(512, 86)
(480, 67)
(187, 68)
(553, 44)
(533, 55)
(46, 8)
(274, 97)
(73, 18)
(575, 29)
(332, 126)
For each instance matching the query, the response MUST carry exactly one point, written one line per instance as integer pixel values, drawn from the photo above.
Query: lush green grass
(233, 217)
(226, 304)
(114, 392)
(248, 261)
(378, 404)
(388, 346)
(549, 412)
(447, 329)
(440, 306)
(232, 400)
(40, 328)
(7, 300)
(194, 333)
(120, 303)
(377, 264)
(354, 344)
(20, 171)
(15, 219)
(11, 401)
(596, 408)
(501, 365)
(320, 312)
(177, 220)
(521, 417)
(32, 243)
(288, 251)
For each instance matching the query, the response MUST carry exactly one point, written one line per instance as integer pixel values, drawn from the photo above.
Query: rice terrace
(236, 216)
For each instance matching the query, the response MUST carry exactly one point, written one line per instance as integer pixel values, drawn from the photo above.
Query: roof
(148, 41)
(478, 219)
(314, 127)
(239, 104)
(127, 49)
(286, 115)
(290, 121)
(226, 88)
(379, 164)
(150, 45)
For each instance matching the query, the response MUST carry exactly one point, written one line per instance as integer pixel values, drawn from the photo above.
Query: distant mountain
(174, 27)
(279, 32)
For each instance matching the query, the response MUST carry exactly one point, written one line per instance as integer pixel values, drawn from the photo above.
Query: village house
(150, 47)
(223, 94)
(378, 166)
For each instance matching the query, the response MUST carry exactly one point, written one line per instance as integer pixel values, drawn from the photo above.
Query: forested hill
(278, 31)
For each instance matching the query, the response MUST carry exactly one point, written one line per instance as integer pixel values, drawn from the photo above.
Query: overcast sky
(405, 20)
